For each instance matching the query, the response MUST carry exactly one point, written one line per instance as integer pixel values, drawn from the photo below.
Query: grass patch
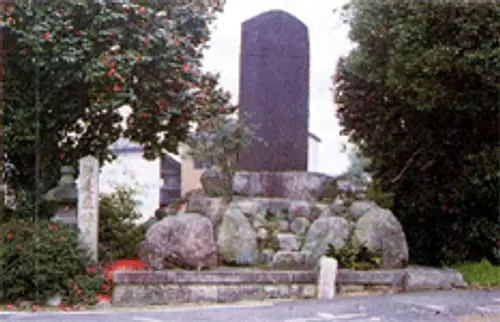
(482, 274)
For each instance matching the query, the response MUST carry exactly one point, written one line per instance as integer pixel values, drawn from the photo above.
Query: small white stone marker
(88, 204)
(326, 279)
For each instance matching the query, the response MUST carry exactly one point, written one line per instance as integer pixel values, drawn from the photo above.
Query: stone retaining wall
(228, 285)
(172, 287)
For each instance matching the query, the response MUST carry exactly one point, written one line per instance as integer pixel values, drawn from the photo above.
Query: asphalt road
(429, 306)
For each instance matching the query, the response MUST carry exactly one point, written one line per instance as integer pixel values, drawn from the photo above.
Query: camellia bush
(70, 66)
(419, 96)
(41, 260)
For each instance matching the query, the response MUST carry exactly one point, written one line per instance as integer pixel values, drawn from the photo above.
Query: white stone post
(88, 204)
(327, 277)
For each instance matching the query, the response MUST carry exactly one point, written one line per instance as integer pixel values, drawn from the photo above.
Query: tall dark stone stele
(274, 90)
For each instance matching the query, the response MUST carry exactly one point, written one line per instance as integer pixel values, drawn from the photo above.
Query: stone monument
(88, 204)
(274, 91)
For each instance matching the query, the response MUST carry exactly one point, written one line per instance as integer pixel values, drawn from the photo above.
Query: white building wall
(313, 155)
(130, 169)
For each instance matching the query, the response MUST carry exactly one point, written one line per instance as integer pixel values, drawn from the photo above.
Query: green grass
(480, 274)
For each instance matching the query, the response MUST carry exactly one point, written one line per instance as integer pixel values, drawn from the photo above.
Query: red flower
(146, 41)
(144, 115)
(140, 11)
(116, 88)
(111, 72)
(179, 206)
(222, 110)
(103, 298)
(90, 269)
(46, 36)
(105, 287)
(62, 238)
(9, 306)
(25, 52)
(112, 65)
(123, 264)
(132, 24)
(18, 248)
(79, 292)
(34, 308)
(60, 156)
(78, 32)
(9, 236)
(186, 68)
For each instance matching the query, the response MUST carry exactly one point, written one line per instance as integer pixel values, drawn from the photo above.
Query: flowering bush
(39, 261)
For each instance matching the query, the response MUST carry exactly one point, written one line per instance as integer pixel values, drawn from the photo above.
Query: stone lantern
(65, 197)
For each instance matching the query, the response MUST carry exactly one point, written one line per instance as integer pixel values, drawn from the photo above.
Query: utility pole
(3, 188)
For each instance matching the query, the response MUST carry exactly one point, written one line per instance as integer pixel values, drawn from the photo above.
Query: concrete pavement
(444, 306)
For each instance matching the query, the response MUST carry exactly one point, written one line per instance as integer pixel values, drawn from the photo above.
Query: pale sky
(328, 41)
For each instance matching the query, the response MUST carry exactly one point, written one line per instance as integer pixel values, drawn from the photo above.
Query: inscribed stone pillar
(274, 91)
(88, 204)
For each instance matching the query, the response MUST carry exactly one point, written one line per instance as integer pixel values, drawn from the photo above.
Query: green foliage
(377, 195)
(119, 235)
(218, 141)
(355, 255)
(40, 261)
(80, 61)
(482, 273)
(419, 96)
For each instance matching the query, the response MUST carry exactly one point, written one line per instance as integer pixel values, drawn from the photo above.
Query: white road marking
(146, 319)
(489, 309)
(331, 317)
(439, 308)
(496, 300)
(328, 316)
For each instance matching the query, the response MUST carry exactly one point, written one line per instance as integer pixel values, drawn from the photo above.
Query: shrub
(355, 255)
(40, 261)
(217, 143)
(119, 236)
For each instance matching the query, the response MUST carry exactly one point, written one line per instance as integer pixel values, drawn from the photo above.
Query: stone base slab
(164, 294)
(216, 277)
(232, 285)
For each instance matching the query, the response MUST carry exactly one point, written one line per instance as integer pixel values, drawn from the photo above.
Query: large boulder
(237, 240)
(360, 207)
(185, 241)
(324, 232)
(289, 185)
(380, 231)
(212, 208)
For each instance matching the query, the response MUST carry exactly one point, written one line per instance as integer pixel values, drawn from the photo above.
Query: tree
(78, 62)
(217, 143)
(419, 95)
